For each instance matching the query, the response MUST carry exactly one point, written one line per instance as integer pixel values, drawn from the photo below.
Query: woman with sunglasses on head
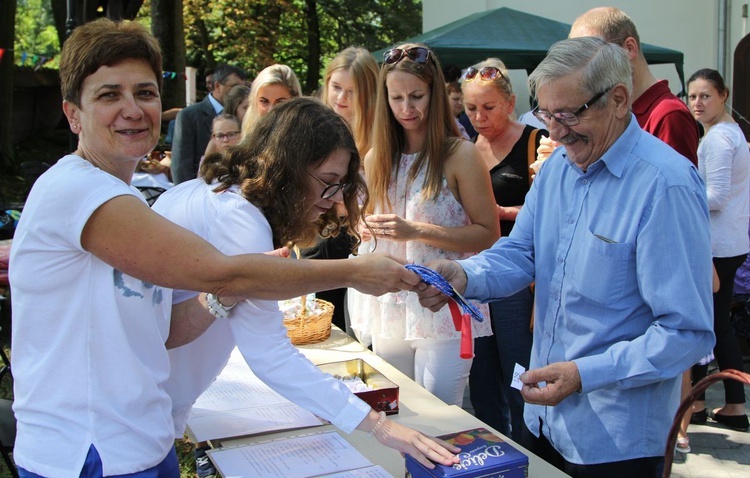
(277, 187)
(274, 85)
(430, 198)
(349, 87)
(506, 146)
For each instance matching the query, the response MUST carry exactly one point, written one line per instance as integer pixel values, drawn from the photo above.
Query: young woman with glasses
(225, 132)
(505, 145)
(430, 198)
(278, 186)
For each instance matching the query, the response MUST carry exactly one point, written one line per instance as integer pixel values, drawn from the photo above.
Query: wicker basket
(311, 328)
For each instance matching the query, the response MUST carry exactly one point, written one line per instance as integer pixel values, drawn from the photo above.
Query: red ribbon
(462, 322)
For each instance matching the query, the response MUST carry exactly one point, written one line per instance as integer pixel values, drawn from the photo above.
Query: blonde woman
(430, 198)
(349, 89)
(273, 85)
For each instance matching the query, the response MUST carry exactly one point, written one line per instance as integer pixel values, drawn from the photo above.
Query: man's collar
(617, 155)
(218, 107)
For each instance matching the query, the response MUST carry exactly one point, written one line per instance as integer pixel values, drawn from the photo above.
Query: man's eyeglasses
(567, 118)
(330, 190)
(416, 54)
(486, 73)
(231, 135)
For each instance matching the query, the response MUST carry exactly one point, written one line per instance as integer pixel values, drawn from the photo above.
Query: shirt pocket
(603, 271)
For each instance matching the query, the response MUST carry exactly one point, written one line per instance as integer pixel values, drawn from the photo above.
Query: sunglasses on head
(486, 73)
(417, 54)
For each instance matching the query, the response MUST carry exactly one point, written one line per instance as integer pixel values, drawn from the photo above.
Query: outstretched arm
(179, 259)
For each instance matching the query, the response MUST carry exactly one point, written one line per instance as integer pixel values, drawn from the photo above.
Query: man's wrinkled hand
(562, 379)
(431, 297)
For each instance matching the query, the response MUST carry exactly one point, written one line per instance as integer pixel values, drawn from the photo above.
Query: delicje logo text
(478, 457)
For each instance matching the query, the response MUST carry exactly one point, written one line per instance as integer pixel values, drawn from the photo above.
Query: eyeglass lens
(568, 118)
(230, 135)
(331, 189)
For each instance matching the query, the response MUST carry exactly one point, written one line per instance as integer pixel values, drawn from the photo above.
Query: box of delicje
(483, 454)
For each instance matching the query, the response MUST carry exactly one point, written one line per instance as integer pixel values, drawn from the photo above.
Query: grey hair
(502, 83)
(601, 65)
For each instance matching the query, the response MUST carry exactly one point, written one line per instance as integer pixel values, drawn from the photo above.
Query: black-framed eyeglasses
(231, 135)
(486, 73)
(330, 190)
(417, 54)
(568, 118)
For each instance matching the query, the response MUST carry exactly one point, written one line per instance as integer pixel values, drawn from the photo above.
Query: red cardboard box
(483, 454)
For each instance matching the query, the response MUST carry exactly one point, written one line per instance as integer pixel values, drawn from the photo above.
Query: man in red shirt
(657, 110)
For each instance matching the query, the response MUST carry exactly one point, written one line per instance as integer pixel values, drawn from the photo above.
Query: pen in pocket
(605, 239)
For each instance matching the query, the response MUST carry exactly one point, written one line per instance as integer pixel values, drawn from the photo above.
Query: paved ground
(716, 451)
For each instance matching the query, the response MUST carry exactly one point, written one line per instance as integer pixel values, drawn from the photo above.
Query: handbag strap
(531, 152)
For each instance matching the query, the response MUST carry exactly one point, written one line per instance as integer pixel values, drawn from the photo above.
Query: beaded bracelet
(378, 425)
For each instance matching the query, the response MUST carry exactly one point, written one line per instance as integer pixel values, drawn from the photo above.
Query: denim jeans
(92, 468)
(493, 399)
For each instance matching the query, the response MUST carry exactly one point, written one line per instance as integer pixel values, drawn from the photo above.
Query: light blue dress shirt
(621, 256)
(218, 107)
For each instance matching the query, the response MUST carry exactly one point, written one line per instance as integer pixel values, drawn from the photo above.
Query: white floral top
(400, 315)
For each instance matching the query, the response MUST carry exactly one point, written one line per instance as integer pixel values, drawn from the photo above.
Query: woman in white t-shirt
(276, 188)
(724, 165)
(91, 268)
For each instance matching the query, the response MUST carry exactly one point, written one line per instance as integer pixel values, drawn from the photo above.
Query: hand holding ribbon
(461, 321)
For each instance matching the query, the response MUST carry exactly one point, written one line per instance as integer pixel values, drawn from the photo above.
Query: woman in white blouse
(724, 165)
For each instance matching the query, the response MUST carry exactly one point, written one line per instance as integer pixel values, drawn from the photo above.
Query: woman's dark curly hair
(271, 166)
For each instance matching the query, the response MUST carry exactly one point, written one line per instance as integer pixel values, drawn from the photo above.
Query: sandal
(683, 445)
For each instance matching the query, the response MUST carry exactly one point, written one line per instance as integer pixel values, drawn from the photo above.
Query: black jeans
(648, 467)
(727, 350)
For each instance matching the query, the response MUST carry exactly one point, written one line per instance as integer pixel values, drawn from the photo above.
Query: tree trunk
(85, 11)
(313, 45)
(166, 24)
(123, 9)
(7, 34)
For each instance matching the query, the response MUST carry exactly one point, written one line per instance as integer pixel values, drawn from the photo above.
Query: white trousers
(433, 364)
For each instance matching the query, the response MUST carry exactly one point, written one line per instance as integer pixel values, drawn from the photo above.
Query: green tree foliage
(253, 34)
(36, 35)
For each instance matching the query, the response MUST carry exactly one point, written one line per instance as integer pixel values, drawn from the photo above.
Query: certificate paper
(238, 403)
(314, 455)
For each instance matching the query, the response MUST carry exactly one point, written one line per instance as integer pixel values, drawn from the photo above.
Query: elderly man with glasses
(614, 232)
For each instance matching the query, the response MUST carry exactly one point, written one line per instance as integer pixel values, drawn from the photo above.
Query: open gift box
(382, 394)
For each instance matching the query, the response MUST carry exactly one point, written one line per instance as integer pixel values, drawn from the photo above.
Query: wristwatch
(216, 308)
